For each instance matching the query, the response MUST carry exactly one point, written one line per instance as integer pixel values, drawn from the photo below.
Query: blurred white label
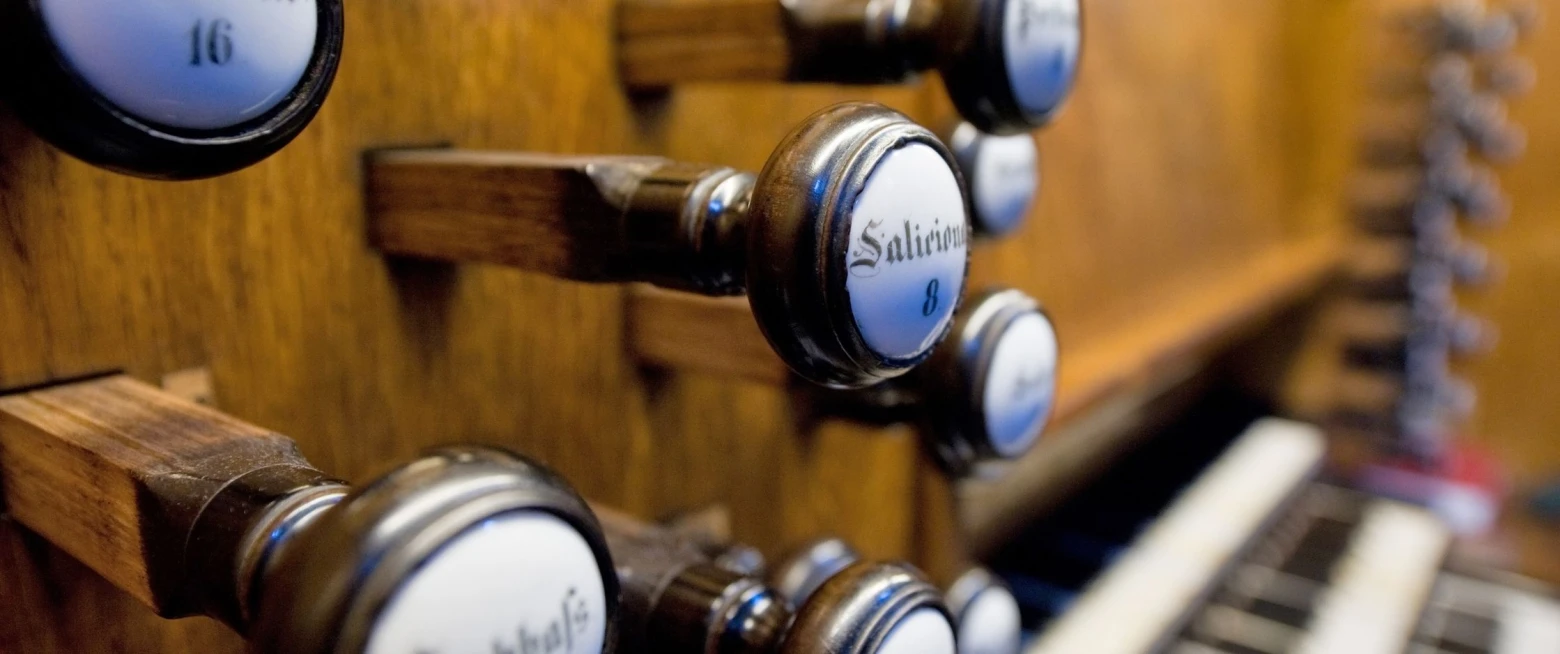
(1006, 181)
(197, 64)
(991, 624)
(1040, 39)
(1021, 384)
(924, 631)
(907, 253)
(521, 583)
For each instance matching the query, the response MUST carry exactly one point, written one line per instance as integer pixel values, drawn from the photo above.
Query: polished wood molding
(1193, 324)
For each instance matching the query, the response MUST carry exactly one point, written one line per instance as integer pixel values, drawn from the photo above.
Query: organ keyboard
(1252, 555)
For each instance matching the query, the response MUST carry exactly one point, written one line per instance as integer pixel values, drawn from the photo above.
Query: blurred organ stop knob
(1008, 65)
(171, 89)
(1003, 173)
(851, 243)
(678, 600)
(990, 391)
(985, 395)
(986, 612)
(983, 611)
(465, 549)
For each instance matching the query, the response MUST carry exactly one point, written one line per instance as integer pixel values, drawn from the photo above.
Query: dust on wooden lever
(851, 243)
(984, 610)
(194, 512)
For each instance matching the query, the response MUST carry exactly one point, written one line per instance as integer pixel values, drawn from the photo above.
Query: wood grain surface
(1205, 136)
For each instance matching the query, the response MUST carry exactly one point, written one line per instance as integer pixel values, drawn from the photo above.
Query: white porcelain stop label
(991, 624)
(907, 252)
(1021, 384)
(1041, 39)
(1006, 179)
(522, 583)
(924, 631)
(197, 64)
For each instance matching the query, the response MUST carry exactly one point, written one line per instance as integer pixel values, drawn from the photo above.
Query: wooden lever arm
(154, 493)
(662, 42)
(592, 219)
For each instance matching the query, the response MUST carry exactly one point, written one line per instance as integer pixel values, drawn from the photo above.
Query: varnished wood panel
(1196, 143)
